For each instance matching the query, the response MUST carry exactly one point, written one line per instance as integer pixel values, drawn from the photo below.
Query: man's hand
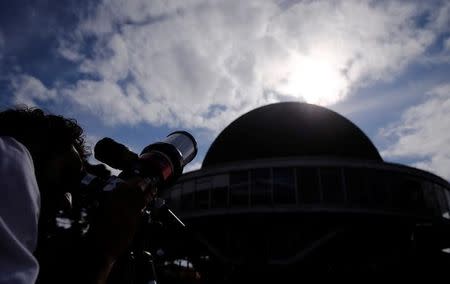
(115, 225)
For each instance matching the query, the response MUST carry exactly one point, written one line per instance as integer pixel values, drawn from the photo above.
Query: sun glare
(317, 80)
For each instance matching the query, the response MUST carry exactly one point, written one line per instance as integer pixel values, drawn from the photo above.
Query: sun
(314, 78)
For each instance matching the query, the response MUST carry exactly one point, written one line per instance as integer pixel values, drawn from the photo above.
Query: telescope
(160, 163)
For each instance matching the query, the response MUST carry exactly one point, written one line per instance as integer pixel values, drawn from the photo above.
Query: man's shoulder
(19, 213)
(17, 177)
(13, 149)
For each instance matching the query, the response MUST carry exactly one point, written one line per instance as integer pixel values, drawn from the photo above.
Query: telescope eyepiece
(164, 160)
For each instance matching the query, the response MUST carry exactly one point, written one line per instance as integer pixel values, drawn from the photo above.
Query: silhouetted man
(42, 158)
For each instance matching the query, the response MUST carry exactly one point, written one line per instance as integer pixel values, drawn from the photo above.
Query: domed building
(291, 190)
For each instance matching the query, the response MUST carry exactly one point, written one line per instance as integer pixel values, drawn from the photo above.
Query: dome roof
(290, 129)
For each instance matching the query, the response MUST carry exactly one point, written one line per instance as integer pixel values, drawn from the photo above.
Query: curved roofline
(317, 125)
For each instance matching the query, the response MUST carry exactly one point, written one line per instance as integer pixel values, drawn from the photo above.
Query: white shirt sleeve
(19, 214)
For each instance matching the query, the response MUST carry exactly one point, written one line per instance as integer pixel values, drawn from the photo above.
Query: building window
(188, 201)
(283, 186)
(219, 193)
(430, 199)
(174, 193)
(202, 199)
(239, 189)
(188, 196)
(331, 180)
(379, 189)
(202, 193)
(308, 185)
(219, 197)
(406, 194)
(442, 200)
(260, 187)
(447, 195)
(355, 183)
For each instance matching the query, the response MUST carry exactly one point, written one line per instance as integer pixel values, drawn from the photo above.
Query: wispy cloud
(202, 63)
(447, 45)
(30, 91)
(104, 98)
(423, 133)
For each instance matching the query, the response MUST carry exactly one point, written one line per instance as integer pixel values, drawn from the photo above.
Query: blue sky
(135, 70)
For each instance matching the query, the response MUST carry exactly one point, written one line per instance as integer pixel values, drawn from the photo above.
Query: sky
(136, 70)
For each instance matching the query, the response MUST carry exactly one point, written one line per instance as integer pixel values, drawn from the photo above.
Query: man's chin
(54, 199)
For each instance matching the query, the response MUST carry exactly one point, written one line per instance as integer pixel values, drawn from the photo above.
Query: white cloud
(104, 98)
(90, 141)
(111, 60)
(30, 91)
(442, 17)
(423, 133)
(70, 52)
(447, 45)
(201, 63)
(192, 167)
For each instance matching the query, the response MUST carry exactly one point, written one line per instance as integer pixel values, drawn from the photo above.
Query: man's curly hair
(43, 134)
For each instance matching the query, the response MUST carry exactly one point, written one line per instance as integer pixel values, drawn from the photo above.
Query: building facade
(291, 189)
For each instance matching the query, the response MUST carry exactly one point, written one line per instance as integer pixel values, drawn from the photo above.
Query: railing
(310, 185)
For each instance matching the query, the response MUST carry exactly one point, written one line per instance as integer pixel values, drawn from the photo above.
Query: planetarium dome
(290, 129)
(291, 190)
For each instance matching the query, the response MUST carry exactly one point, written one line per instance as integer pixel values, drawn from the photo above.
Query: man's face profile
(61, 173)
